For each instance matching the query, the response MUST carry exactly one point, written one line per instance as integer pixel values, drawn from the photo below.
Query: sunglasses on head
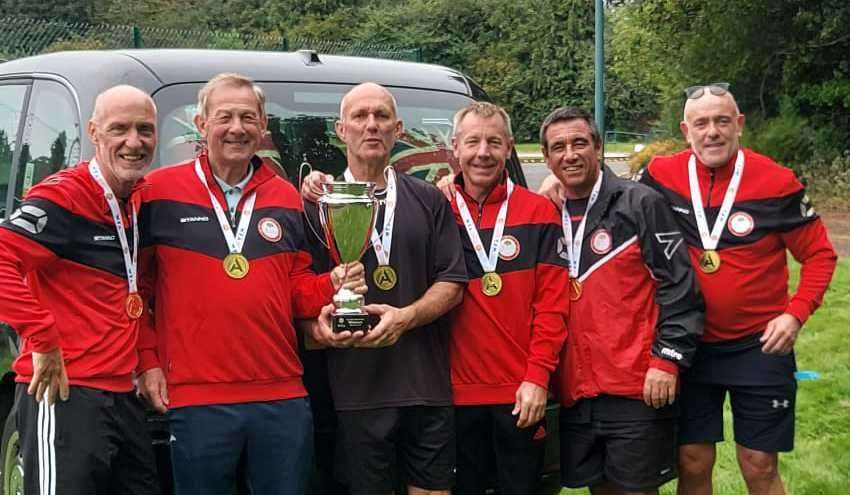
(717, 89)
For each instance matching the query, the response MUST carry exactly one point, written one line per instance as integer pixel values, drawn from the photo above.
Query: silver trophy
(347, 212)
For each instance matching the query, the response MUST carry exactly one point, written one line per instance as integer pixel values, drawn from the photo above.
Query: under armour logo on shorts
(784, 404)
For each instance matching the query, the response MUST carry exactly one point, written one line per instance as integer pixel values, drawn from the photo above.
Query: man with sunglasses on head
(740, 212)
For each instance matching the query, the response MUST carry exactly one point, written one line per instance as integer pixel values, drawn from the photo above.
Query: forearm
(438, 300)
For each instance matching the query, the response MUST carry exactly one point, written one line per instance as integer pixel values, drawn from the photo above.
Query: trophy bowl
(347, 213)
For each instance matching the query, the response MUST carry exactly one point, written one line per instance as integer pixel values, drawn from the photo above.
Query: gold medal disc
(491, 284)
(236, 266)
(709, 261)
(575, 289)
(134, 305)
(384, 277)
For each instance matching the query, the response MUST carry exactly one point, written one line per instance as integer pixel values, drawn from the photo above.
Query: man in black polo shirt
(391, 386)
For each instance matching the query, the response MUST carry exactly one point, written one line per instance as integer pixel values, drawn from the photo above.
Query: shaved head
(709, 98)
(367, 89)
(123, 92)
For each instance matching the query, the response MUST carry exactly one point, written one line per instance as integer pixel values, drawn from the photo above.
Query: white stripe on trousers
(46, 450)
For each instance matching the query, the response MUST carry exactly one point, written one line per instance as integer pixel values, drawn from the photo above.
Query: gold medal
(709, 261)
(134, 305)
(236, 266)
(575, 289)
(491, 284)
(384, 277)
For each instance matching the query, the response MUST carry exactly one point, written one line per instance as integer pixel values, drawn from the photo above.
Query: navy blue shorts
(263, 447)
(762, 392)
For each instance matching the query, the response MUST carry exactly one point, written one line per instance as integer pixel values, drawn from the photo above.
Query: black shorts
(490, 443)
(599, 444)
(95, 443)
(763, 417)
(380, 448)
(762, 392)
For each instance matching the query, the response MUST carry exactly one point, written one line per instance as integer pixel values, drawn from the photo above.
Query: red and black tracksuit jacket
(771, 213)
(501, 341)
(218, 339)
(65, 284)
(640, 307)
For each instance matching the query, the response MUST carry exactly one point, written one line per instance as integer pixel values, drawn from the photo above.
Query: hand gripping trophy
(347, 213)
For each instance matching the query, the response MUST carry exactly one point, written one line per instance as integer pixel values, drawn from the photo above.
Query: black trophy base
(350, 322)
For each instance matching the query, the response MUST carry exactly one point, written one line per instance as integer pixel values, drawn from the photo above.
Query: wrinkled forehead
(367, 97)
(229, 96)
(474, 124)
(568, 131)
(710, 105)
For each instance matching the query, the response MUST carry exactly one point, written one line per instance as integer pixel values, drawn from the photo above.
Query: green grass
(819, 464)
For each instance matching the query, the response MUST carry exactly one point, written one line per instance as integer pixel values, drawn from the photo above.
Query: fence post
(419, 54)
(137, 37)
(285, 44)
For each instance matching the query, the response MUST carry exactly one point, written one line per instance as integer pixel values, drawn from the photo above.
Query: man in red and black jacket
(226, 263)
(739, 212)
(635, 318)
(68, 272)
(507, 333)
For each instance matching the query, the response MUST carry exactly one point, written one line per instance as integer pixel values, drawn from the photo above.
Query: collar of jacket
(262, 173)
(722, 172)
(496, 195)
(609, 190)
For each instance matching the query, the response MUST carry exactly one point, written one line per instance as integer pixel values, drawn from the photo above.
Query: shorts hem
(645, 488)
(581, 484)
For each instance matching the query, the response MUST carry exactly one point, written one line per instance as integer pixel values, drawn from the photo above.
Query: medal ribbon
(711, 239)
(234, 242)
(574, 243)
(130, 258)
(382, 244)
(489, 261)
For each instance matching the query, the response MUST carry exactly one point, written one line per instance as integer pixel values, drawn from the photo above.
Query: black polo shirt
(426, 248)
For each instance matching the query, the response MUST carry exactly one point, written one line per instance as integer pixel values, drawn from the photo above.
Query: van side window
(51, 137)
(11, 107)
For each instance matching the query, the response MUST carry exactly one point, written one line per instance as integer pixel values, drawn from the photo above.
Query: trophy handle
(305, 163)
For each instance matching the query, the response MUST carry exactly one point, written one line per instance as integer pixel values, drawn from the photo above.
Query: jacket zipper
(710, 187)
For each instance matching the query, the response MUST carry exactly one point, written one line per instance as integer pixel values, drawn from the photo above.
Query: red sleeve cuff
(664, 365)
(798, 309)
(327, 288)
(148, 360)
(44, 341)
(537, 375)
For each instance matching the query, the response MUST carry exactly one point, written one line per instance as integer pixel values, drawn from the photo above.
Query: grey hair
(484, 110)
(230, 79)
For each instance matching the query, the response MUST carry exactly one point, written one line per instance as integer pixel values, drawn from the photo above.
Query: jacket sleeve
(810, 245)
(550, 305)
(309, 291)
(30, 239)
(147, 344)
(681, 306)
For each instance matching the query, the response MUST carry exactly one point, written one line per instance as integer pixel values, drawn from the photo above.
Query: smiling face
(573, 156)
(712, 127)
(123, 131)
(481, 146)
(368, 124)
(233, 125)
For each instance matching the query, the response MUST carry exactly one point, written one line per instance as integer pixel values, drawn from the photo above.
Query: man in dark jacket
(635, 317)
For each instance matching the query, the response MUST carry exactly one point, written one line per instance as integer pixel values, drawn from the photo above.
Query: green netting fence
(22, 36)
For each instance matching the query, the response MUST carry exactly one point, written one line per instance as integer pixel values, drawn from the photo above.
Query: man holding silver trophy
(225, 260)
(390, 383)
